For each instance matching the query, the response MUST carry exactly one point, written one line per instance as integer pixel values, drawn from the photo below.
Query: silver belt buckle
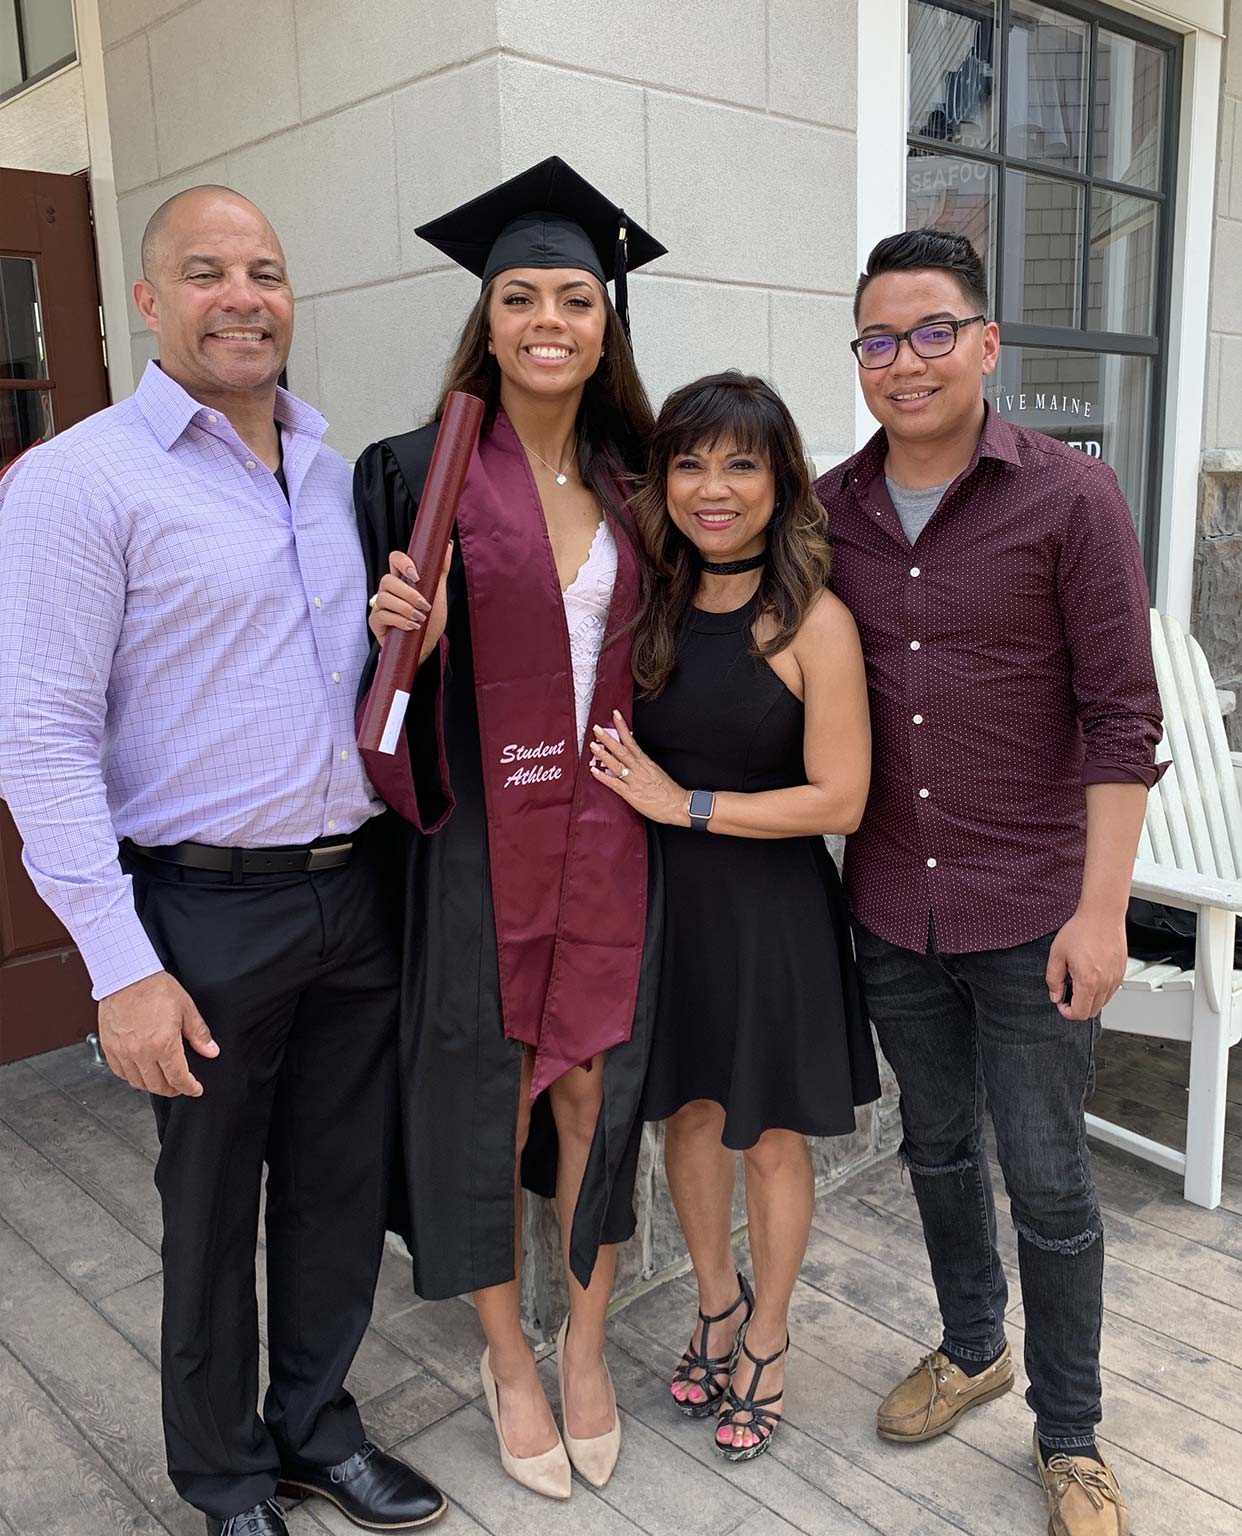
(327, 858)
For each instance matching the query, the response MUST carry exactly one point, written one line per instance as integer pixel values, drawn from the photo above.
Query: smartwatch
(702, 804)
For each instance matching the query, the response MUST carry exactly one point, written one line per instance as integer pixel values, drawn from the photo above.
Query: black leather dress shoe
(371, 1489)
(266, 1519)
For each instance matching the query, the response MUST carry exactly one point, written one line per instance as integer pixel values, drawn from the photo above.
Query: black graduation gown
(460, 1076)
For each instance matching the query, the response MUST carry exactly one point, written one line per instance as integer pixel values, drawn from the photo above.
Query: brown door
(51, 375)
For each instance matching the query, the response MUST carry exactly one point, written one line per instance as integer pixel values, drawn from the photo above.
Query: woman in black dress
(755, 741)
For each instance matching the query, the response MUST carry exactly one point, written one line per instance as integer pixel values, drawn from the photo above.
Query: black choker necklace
(733, 567)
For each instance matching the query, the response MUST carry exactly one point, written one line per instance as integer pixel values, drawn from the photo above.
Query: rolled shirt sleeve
(1106, 612)
(62, 601)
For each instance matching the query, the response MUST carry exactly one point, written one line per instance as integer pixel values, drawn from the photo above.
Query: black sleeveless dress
(759, 1007)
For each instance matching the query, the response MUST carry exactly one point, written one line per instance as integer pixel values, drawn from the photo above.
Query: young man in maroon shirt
(998, 588)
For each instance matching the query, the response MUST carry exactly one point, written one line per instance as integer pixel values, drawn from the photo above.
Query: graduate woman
(526, 993)
(753, 724)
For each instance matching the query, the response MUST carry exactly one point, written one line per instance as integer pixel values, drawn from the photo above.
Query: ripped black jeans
(959, 1030)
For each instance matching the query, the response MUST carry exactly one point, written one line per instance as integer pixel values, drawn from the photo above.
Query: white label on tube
(392, 726)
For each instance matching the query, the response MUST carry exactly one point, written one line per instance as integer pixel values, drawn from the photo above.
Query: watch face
(702, 802)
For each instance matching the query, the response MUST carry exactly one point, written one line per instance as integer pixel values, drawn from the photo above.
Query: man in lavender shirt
(181, 630)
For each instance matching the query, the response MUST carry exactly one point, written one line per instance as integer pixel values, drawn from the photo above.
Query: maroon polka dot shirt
(1009, 662)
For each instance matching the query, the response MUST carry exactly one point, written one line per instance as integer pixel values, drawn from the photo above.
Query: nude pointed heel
(548, 1473)
(595, 1457)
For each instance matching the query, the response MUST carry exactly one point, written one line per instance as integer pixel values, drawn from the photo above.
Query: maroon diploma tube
(383, 714)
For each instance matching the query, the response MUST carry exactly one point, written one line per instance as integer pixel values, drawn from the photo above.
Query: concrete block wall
(727, 127)
(333, 119)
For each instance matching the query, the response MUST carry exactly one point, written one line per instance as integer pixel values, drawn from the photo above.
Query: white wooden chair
(1190, 856)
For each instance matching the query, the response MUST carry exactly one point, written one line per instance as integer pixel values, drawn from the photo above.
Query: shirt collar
(996, 441)
(169, 409)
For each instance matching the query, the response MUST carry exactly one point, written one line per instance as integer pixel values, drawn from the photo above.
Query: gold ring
(371, 601)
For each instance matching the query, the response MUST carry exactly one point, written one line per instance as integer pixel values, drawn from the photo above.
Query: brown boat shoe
(1083, 1496)
(935, 1395)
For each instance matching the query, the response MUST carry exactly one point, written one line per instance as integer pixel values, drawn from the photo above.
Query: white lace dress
(586, 614)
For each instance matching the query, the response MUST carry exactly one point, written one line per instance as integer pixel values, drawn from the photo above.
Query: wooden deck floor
(80, 1442)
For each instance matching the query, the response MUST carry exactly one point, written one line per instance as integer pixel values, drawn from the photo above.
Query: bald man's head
(215, 291)
(180, 206)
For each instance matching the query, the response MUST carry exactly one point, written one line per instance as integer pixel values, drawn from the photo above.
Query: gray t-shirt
(914, 508)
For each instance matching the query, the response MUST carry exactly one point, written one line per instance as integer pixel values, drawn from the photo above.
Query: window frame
(26, 81)
(1159, 344)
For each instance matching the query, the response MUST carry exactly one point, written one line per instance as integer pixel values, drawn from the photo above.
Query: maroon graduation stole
(568, 856)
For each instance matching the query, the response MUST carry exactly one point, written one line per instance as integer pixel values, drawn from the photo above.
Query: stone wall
(657, 1250)
(1217, 612)
(1218, 576)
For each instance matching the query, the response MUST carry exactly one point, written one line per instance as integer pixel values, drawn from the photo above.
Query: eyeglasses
(936, 339)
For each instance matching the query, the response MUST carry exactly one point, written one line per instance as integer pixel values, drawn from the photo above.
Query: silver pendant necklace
(561, 476)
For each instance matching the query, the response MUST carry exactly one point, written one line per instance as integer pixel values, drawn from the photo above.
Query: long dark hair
(614, 418)
(747, 414)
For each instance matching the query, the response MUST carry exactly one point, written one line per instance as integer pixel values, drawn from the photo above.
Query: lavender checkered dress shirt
(179, 649)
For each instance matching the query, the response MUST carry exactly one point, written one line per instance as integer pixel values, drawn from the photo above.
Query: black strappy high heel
(712, 1368)
(763, 1421)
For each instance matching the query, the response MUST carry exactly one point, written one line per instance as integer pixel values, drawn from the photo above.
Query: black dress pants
(297, 978)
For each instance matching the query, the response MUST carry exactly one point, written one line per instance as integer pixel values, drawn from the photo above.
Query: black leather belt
(250, 861)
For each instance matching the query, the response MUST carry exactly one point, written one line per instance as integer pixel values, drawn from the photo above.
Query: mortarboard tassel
(620, 286)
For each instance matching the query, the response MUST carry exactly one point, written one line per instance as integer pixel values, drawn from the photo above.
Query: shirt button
(923, 793)
(213, 420)
(336, 677)
(250, 464)
(344, 757)
(318, 603)
(931, 863)
(915, 645)
(918, 719)
(914, 571)
(332, 828)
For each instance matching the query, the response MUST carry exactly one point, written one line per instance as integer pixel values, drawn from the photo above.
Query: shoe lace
(350, 1469)
(1092, 1479)
(252, 1522)
(936, 1365)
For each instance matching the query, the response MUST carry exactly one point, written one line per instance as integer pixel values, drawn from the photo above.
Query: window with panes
(36, 38)
(1046, 133)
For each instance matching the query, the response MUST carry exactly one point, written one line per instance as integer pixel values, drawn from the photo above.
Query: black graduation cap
(548, 216)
